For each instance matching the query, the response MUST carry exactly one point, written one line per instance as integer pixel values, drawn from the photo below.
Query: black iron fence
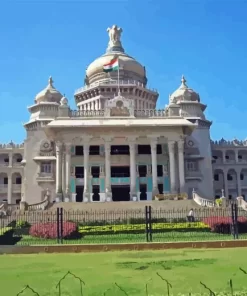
(127, 226)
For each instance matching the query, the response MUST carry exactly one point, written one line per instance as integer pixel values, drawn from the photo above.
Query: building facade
(116, 146)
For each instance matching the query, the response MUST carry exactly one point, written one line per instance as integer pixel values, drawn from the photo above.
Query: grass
(184, 269)
(132, 238)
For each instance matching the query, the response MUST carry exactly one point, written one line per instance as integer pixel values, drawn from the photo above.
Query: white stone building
(116, 146)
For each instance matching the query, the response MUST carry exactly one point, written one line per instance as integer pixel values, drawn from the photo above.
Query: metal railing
(123, 226)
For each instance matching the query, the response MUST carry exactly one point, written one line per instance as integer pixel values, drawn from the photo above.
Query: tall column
(108, 170)
(59, 171)
(171, 148)
(10, 188)
(226, 184)
(153, 143)
(86, 193)
(181, 165)
(132, 146)
(68, 168)
(63, 172)
(10, 159)
(239, 183)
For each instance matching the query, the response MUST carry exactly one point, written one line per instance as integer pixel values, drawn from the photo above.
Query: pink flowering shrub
(224, 224)
(49, 230)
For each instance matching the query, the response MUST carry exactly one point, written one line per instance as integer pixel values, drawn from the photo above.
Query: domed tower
(101, 85)
(198, 155)
(39, 154)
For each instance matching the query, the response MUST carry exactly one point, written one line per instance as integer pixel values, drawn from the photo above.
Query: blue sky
(203, 39)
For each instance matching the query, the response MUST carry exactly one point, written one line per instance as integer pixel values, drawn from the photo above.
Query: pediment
(119, 106)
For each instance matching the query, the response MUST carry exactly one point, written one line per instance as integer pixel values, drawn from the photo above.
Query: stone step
(110, 206)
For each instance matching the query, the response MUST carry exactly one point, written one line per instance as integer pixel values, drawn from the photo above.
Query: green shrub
(22, 224)
(140, 228)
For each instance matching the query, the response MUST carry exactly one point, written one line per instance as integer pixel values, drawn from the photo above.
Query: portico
(106, 162)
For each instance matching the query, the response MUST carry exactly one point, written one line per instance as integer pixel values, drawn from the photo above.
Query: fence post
(236, 219)
(150, 223)
(58, 226)
(61, 225)
(146, 222)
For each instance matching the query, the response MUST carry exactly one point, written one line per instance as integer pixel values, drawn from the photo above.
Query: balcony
(4, 164)
(3, 188)
(45, 177)
(197, 175)
(16, 187)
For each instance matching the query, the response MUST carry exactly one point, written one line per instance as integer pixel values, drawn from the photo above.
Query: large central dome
(129, 68)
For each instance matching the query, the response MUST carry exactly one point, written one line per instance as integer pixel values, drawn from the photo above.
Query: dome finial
(50, 81)
(183, 82)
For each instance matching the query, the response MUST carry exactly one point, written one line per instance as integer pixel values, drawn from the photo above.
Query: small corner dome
(128, 65)
(184, 94)
(49, 94)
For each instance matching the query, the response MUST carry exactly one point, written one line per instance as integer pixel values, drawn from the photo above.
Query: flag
(112, 66)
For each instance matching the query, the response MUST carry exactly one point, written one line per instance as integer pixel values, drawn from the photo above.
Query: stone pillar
(132, 146)
(58, 172)
(68, 168)
(10, 188)
(171, 148)
(10, 159)
(226, 184)
(108, 170)
(236, 156)
(63, 173)
(239, 183)
(86, 194)
(181, 165)
(153, 143)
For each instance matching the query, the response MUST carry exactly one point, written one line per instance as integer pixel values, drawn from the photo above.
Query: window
(160, 171)
(229, 177)
(79, 150)
(241, 177)
(191, 166)
(45, 167)
(216, 177)
(6, 160)
(215, 157)
(5, 181)
(240, 157)
(142, 170)
(94, 150)
(95, 171)
(227, 157)
(19, 159)
(18, 180)
(159, 149)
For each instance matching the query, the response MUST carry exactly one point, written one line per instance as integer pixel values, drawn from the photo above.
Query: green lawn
(133, 238)
(184, 269)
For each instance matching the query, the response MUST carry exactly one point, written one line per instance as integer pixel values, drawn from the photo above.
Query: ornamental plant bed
(49, 230)
(224, 224)
(140, 228)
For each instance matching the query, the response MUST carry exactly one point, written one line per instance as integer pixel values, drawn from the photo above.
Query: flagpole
(118, 77)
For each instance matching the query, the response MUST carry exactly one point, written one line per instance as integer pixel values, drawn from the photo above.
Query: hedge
(137, 228)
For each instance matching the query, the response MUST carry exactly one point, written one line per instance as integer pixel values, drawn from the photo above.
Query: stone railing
(40, 206)
(224, 142)
(111, 82)
(148, 113)
(7, 209)
(12, 145)
(242, 203)
(179, 196)
(203, 201)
